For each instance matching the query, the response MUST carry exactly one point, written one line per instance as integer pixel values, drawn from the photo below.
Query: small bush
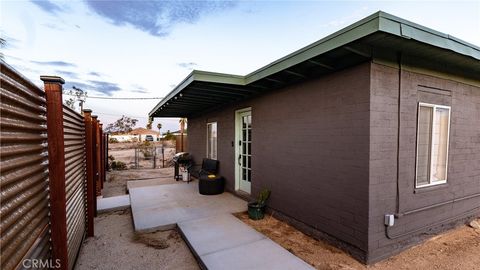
(147, 149)
(113, 140)
(118, 165)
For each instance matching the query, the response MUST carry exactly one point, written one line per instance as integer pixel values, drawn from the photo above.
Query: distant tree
(78, 95)
(123, 125)
(169, 136)
(70, 103)
(149, 124)
(159, 126)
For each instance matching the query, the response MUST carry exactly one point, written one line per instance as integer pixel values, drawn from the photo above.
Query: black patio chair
(208, 185)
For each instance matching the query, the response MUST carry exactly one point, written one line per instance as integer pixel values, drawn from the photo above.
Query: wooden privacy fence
(52, 169)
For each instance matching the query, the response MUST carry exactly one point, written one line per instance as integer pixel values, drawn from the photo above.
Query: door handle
(239, 160)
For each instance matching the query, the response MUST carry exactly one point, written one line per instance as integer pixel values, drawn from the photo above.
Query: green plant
(147, 149)
(113, 140)
(118, 165)
(263, 196)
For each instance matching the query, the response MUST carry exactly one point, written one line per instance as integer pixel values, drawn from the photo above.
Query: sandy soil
(455, 249)
(127, 156)
(116, 246)
(116, 183)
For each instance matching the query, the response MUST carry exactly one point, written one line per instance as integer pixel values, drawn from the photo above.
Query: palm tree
(159, 126)
(182, 122)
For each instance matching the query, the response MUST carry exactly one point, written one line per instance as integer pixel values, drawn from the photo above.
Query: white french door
(243, 149)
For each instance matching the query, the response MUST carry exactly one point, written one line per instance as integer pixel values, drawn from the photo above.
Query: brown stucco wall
(310, 147)
(463, 162)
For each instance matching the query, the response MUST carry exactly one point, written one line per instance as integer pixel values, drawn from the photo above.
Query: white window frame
(434, 107)
(216, 141)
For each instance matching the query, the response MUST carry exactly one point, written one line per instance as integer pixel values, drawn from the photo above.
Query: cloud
(93, 73)
(68, 74)
(54, 63)
(155, 17)
(103, 87)
(189, 65)
(47, 6)
(139, 89)
(81, 85)
(53, 26)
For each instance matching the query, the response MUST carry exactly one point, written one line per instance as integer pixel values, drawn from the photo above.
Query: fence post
(87, 115)
(56, 168)
(96, 148)
(102, 158)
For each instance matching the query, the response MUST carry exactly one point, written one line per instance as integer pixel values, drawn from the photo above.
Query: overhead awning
(380, 35)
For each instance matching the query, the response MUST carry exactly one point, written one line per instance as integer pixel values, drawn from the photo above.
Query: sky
(145, 48)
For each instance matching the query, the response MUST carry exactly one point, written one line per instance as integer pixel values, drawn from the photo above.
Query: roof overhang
(375, 36)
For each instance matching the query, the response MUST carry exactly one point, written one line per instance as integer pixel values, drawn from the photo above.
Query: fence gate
(75, 178)
(24, 210)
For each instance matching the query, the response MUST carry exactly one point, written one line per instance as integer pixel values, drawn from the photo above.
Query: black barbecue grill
(182, 159)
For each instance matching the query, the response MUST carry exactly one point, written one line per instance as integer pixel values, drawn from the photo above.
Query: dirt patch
(152, 240)
(116, 246)
(455, 249)
(116, 183)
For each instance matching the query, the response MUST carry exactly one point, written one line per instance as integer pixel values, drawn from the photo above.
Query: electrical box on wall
(389, 220)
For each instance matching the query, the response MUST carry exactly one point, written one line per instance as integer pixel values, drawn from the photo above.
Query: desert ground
(117, 246)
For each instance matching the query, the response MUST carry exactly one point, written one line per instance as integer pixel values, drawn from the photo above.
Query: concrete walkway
(218, 239)
(162, 207)
(113, 203)
(225, 242)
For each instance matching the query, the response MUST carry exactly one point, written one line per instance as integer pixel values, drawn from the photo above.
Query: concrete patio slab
(225, 242)
(113, 203)
(162, 207)
(151, 182)
(261, 254)
(216, 233)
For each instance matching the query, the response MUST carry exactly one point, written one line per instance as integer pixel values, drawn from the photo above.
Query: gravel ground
(457, 249)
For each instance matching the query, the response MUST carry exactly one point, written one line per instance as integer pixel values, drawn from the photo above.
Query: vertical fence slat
(56, 167)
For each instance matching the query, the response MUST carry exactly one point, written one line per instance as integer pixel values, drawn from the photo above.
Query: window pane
(425, 115)
(212, 140)
(440, 144)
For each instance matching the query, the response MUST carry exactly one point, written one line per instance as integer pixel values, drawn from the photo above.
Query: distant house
(136, 135)
(369, 137)
(141, 133)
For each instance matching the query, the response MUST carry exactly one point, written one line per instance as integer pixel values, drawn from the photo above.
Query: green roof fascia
(377, 22)
(409, 30)
(201, 76)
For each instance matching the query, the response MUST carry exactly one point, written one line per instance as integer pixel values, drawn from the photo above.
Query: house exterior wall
(385, 129)
(310, 148)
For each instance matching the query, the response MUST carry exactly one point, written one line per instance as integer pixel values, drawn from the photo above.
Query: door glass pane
(244, 174)
(244, 135)
(249, 164)
(244, 161)
(439, 144)
(244, 148)
(425, 115)
(249, 148)
(249, 175)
